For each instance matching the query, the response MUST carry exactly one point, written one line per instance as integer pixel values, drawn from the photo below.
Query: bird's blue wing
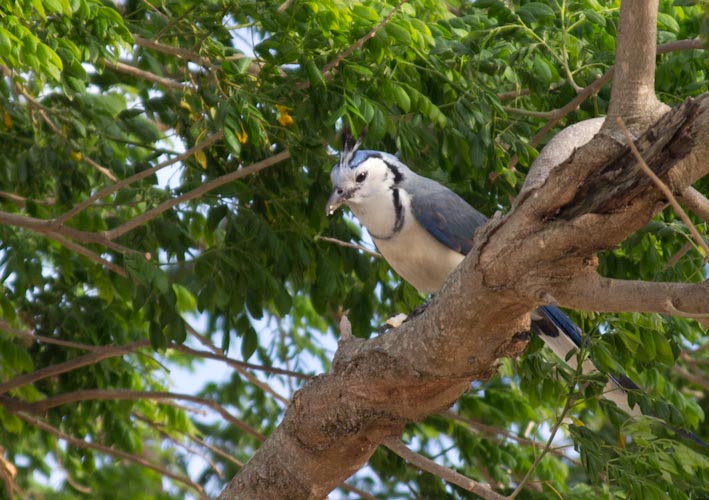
(444, 214)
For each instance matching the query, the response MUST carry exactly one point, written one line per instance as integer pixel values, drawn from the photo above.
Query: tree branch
(80, 443)
(428, 465)
(663, 188)
(7, 327)
(633, 94)
(592, 292)
(347, 244)
(328, 70)
(101, 353)
(558, 114)
(128, 394)
(494, 431)
(136, 177)
(196, 193)
(696, 202)
(146, 75)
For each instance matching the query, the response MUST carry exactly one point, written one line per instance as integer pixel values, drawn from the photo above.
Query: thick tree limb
(633, 94)
(597, 197)
(592, 292)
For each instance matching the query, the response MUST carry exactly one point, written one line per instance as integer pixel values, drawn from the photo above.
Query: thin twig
(239, 364)
(330, 67)
(493, 431)
(136, 177)
(146, 75)
(101, 353)
(568, 404)
(546, 115)
(695, 379)
(22, 201)
(87, 253)
(80, 443)
(677, 312)
(347, 244)
(133, 395)
(7, 327)
(354, 489)
(166, 433)
(664, 189)
(572, 105)
(453, 477)
(102, 170)
(8, 471)
(196, 193)
(592, 89)
(678, 256)
(69, 478)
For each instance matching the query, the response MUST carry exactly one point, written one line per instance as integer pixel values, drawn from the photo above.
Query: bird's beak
(336, 199)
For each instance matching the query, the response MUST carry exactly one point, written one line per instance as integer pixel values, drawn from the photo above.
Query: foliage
(95, 93)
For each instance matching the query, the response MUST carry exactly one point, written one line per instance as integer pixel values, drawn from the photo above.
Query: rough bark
(588, 203)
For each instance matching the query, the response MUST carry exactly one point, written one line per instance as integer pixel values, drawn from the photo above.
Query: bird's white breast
(419, 258)
(413, 252)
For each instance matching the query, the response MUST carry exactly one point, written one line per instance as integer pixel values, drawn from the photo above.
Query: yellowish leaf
(201, 159)
(242, 136)
(284, 118)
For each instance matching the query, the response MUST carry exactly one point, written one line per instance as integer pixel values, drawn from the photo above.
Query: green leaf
(232, 141)
(542, 70)
(249, 343)
(402, 98)
(283, 301)
(536, 12)
(397, 32)
(594, 17)
(186, 302)
(667, 22)
(58, 7)
(315, 77)
(11, 423)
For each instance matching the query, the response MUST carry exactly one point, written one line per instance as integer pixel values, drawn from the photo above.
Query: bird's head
(361, 177)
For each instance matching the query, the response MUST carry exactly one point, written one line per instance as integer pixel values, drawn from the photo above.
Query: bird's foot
(395, 321)
(401, 318)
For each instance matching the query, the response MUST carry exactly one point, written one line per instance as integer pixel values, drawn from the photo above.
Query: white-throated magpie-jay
(424, 230)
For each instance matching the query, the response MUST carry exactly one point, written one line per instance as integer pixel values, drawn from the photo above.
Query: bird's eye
(361, 177)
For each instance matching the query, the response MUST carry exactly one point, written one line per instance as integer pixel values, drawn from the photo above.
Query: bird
(424, 230)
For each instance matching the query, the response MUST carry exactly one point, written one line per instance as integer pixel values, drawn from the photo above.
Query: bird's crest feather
(350, 145)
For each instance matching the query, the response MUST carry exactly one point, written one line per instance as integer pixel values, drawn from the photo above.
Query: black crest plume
(349, 145)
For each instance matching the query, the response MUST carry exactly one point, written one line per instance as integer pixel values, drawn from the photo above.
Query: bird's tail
(562, 335)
